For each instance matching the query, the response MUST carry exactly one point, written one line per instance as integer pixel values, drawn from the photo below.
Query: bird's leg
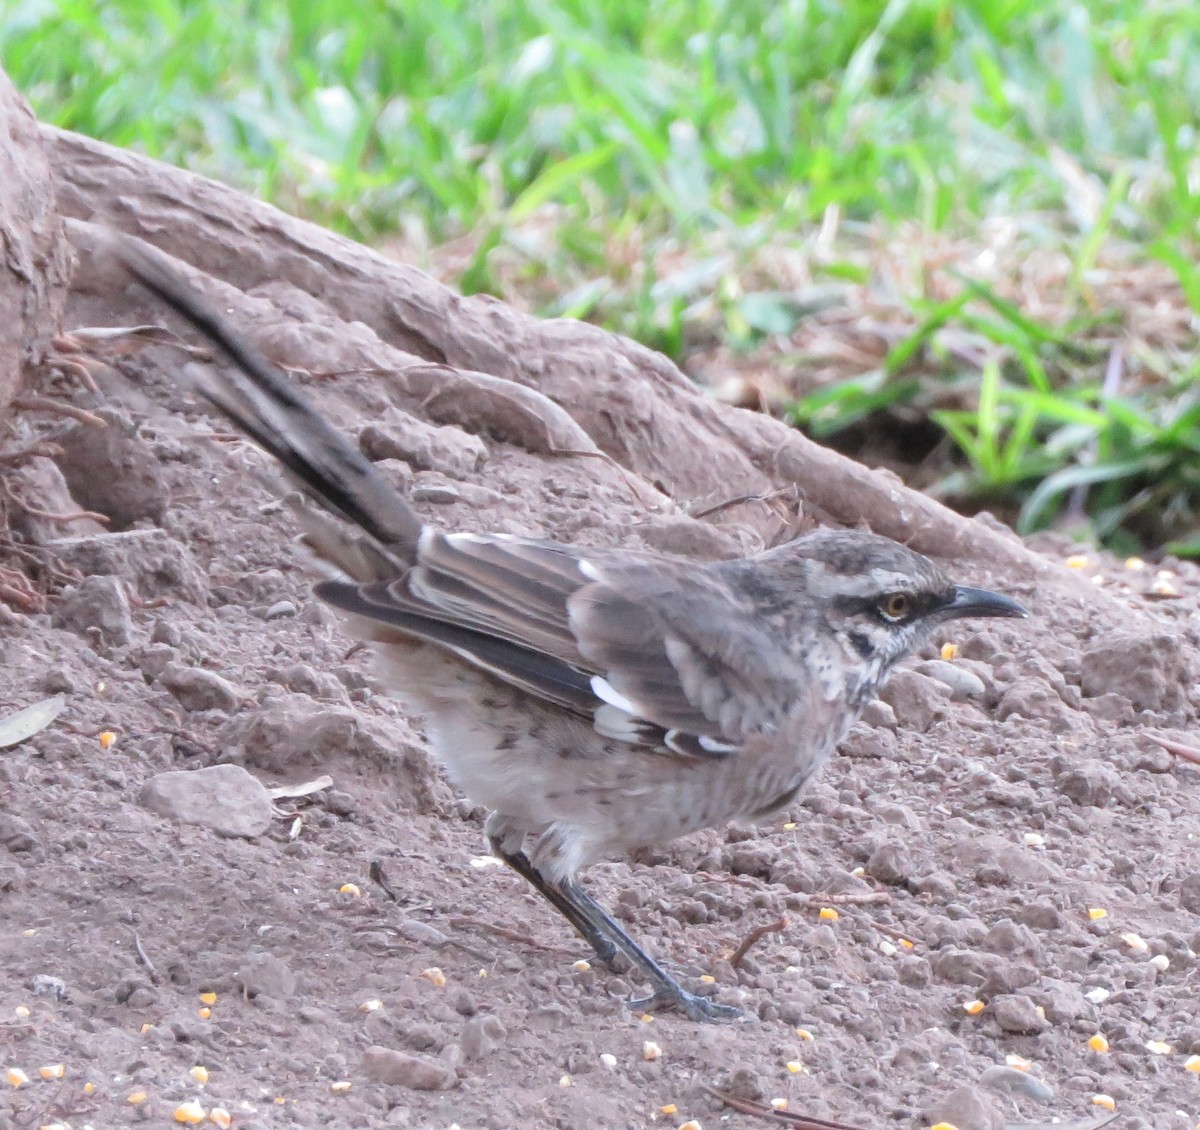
(607, 938)
(668, 993)
(519, 862)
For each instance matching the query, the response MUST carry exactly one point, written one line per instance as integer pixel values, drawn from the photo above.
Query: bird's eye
(896, 606)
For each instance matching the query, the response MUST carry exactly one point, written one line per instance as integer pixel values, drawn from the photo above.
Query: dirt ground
(968, 845)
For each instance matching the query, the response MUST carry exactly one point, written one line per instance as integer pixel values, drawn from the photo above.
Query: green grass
(661, 169)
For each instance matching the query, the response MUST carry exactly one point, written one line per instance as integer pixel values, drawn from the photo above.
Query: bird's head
(880, 598)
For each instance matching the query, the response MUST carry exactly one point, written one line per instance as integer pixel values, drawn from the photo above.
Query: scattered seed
(973, 1008)
(340, 1087)
(204, 1013)
(1019, 1062)
(794, 1066)
(668, 1108)
(829, 914)
(219, 1116)
(779, 1104)
(136, 1098)
(1134, 564)
(1161, 962)
(52, 1071)
(943, 1126)
(690, 1124)
(1097, 995)
(887, 949)
(1034, 839)
(1192, 1063)
(22, 1012)
(565, 1081)
(434, 976)
(647, 1018)
(651, 1051)
(190, 1112)
(582, 966)
(370, 1006)
(208, 998)
(145, 1028)
(1158, 1047)
(350, 889)
(1095, 913)
(949, 651)
(1098, 1043)
(1135, 942)
(89, 1088)
(805, 1034)
(16, 1077)
(200, 1074)
(1105, 1101)
(107, 737)
(1077, 561)
(609, 1060)
(707, 979)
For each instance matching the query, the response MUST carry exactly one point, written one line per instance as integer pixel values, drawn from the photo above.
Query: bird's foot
(703, 1010)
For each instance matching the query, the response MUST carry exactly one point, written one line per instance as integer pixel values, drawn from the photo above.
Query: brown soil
(962, 842)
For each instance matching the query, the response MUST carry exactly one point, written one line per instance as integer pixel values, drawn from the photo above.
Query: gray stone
(280, 609)
(417, 1072)
(917, 700)
(198, 689)
(1149, 668)
(1088, 783)
(966, 1109)
(1189, 893)
(890, 863)
(482, 1035)
(224, 798)
(424, 447)
(1010, 1081)
(152, 561)
(97, 605)
(263, 974)
(961, 683)
(1016, 1013)
(39, 483)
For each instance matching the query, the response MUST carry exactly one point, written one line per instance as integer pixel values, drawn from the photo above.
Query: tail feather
(257, 397)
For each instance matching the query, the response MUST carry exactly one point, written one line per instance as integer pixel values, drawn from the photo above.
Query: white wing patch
(604, 691)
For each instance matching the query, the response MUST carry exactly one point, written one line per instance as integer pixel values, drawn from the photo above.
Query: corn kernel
(906, 943)
(1098, 1043)
(1158, 1047)
(973, 1008)
(805, 1034)
(1192, 1064)
(609, 1060)
(136, 1098)
(434, 976)
(372, 1005)
(1134, 564)
(16, 1077)
(208, 998)
(949, 651)
(690, 1124)
(1034, 839)
(828, 914)
(89, 1088)
(707, 979)
(1105, 1101)
(1018, 1062)
(1097, 995)
(340, 1087)
(1095, 913)
(1077, 561)
(190, 1112)
(566, 1081)
(647, 1018)
(1161, 962)
(107, 737)
(145, 1028)
(1135, 942)
(669, 1108)
(52, 1071)
(219, 1116)
(779, 1104)
(349, 889)
(887, 948)
(204, 1013)
(795, 1066)
(22, 1013)
(943, 1126)
(200, 1074)
(582, 966)
(651, 1051)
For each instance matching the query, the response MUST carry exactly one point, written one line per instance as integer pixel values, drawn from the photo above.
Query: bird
(596, 701)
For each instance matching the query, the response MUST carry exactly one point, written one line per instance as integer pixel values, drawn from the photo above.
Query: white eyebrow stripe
(604, 690)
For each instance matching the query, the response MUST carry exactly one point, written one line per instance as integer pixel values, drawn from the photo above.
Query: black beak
(980, 602)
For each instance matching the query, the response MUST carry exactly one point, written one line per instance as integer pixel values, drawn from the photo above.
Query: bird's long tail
(257, 397)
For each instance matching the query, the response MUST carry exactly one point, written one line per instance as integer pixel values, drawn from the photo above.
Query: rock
(152, 561)
(47, 985)
(424, 447)
(39, 483)
(878, 714)
(1189, 893)
(224, 798)
(96, 605)
(280, 609)
(198, 689)
(966, 1109)
(917, 700)
(868, 742)
(961, 683)
(962, 966)
(1010, 1081)
(17, 834)
(263, 974)
(890, 863)
(1011, 940)
(1034, 698)
(418, 1072)
(1087, 783)
(1149, 668)
(482, 1035)
(1016, 1013)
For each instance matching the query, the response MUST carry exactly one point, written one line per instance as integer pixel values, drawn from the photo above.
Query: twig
(30, 403)
(465, 922)
(849, 898)
(1185, 752)
(143, 956)
(892, 932)
(738, 500)
(758, 1110)
(754, 937)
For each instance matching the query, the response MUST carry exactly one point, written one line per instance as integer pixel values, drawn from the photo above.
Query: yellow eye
(896, 606)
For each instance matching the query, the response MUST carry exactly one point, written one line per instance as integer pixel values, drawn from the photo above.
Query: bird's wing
(645, 647)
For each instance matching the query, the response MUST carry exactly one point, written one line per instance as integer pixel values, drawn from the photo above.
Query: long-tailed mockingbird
(595, 700)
